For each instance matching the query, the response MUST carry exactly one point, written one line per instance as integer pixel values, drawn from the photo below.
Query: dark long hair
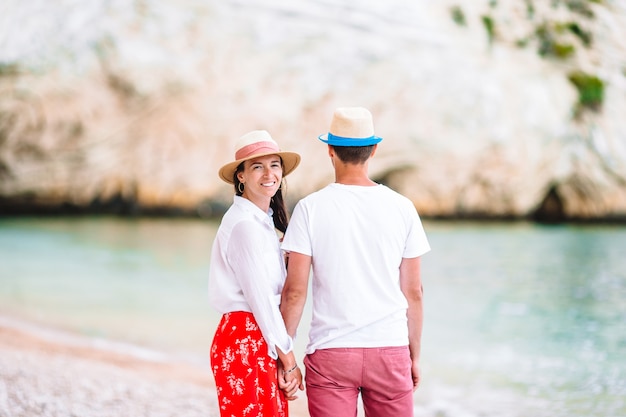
(277, 204)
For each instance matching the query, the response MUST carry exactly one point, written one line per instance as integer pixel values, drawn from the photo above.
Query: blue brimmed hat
(351, 126)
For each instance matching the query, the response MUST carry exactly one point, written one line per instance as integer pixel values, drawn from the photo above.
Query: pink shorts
(334, 378)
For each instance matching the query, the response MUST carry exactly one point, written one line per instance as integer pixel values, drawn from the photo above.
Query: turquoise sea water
(520, 319)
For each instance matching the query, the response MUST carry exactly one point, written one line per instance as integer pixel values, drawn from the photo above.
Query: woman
(246, 277)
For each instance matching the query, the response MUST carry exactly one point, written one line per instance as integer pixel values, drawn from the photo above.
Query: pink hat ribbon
(256, 148)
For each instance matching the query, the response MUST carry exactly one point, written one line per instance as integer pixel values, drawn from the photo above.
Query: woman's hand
(290, 380)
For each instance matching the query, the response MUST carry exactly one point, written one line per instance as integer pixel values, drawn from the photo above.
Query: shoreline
(215, 210)
(46, 372)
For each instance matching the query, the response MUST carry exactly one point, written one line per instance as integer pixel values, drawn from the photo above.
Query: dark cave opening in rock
(551, 209)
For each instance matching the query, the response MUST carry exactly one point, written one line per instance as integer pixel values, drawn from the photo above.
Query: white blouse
(247, 271)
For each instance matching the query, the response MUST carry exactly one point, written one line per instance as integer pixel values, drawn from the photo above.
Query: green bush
(590, 90)
(457, 15)
(530, 9)
(489, 27)
(584, 36)
(549, 44)
(581, 7)
(563, 50)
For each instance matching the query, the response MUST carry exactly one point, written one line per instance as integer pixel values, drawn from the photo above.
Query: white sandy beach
(48, 373)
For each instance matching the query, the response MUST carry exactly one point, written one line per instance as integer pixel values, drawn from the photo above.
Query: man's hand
(290, 381)
(415, 374)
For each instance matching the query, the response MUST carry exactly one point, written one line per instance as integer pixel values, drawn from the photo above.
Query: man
(363, 241)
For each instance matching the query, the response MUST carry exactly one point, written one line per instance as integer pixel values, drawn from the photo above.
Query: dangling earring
(282, 182)
(240, 187)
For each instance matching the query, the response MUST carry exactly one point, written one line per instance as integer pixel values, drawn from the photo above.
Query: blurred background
(502, 121)
(489, 109)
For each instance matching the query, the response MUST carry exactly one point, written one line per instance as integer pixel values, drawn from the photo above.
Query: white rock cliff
(140, 102)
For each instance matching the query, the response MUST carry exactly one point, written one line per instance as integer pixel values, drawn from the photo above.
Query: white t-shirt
(247, 271)
(357, 237)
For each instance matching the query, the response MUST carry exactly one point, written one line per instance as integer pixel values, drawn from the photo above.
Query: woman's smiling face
(261, 178)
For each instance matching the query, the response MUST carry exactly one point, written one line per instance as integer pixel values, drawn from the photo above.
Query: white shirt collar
(253, 209)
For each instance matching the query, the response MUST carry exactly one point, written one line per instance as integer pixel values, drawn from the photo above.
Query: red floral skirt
(246, 377)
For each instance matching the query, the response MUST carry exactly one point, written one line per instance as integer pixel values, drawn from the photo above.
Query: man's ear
(374, 150)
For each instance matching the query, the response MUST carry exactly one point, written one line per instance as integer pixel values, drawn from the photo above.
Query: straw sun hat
(351, 126)
(253, 145)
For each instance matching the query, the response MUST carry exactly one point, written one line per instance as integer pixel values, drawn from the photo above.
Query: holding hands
(290, 380)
